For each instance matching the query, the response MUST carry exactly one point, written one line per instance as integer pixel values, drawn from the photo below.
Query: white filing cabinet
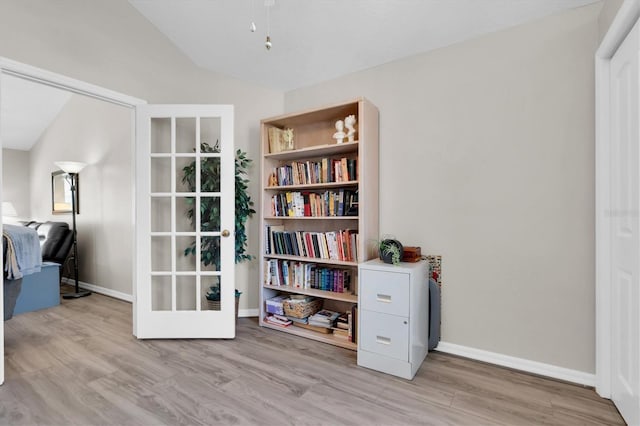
(393, 316)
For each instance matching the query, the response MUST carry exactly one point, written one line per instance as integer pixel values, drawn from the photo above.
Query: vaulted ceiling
(27, 109)
(317, 40)
(313, 41)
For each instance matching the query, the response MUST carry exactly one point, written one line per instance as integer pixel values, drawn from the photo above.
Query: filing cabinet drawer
(386, 292)
(385, 334)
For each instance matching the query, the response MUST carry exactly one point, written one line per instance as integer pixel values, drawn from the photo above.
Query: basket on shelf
(301, 308)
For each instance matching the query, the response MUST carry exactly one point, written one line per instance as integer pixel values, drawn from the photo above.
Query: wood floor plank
(78, 363)
(140, 401)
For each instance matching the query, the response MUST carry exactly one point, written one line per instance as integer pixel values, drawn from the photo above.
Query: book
(343, 320)
(301, 245)
(271, 230)
(354, 324)
(323, 318)
(344, 170)
(275, 139)
(325, 171)
(272, 319)
(299, 320)
(273, 269)
(280, 317)
(306, 204)
(309, 244)
(266, 279)
(351, 167)
(285, 272)
(298, 275)
(340, 210)
(341, 334)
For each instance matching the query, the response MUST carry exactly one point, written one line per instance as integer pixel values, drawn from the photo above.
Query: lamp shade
(70, 166)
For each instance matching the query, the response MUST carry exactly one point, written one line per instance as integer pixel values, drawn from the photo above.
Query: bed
(22, 257)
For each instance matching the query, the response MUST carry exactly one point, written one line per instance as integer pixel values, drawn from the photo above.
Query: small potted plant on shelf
(390, 251)
(210, 212)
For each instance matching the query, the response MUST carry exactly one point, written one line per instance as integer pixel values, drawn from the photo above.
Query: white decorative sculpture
(350, 123)
(287, 137)
(339, 135)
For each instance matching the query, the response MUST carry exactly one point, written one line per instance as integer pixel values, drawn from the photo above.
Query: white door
(625, 228)
(185, 202)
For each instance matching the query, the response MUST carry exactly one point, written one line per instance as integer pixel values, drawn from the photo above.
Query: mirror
(61, 193)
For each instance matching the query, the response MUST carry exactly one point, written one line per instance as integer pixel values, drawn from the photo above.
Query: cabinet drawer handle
(384, 298)
(383, 340)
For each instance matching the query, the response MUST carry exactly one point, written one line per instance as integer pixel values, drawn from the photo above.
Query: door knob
(225, 233)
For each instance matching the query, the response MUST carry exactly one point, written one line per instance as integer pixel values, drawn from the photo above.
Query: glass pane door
(185, 221)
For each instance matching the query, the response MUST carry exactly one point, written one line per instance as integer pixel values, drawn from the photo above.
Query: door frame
(622, 24)
(39, 75)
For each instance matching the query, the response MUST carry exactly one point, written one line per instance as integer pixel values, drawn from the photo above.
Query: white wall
(487, 158)
(110, 44)
(99, 134)
(15, 181)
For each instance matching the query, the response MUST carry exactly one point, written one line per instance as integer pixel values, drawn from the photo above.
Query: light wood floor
(79, 364)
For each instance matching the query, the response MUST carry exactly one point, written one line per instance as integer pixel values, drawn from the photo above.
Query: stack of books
(279, 320)
(324, 318)
(342, 329)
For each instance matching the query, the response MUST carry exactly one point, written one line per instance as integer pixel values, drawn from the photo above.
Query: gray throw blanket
(24, 256)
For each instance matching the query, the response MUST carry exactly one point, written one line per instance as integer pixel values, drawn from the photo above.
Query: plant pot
(214, 305)
(387, 250)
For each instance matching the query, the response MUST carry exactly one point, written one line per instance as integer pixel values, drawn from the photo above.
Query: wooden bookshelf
(313, 141)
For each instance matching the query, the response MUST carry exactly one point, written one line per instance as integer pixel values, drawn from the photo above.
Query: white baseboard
(102, 290)
(244, 313)
(129, 298)
(540, 368)
(548, 370)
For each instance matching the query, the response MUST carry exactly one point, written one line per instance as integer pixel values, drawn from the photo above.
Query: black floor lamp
(72, 168)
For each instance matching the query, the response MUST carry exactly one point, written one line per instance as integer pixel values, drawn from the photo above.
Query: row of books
(334, 245)
(306, 275)
(315, 204)
(325, 170)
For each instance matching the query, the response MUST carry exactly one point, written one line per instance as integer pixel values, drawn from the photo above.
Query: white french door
(625, 227)
(185, 221)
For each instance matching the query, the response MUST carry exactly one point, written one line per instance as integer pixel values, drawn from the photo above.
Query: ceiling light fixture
(268, 4)
(252, 27)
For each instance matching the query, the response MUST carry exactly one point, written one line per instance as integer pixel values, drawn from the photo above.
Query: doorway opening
(84, 129)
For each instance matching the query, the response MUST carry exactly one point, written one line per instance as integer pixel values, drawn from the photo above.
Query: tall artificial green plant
(210, 206)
